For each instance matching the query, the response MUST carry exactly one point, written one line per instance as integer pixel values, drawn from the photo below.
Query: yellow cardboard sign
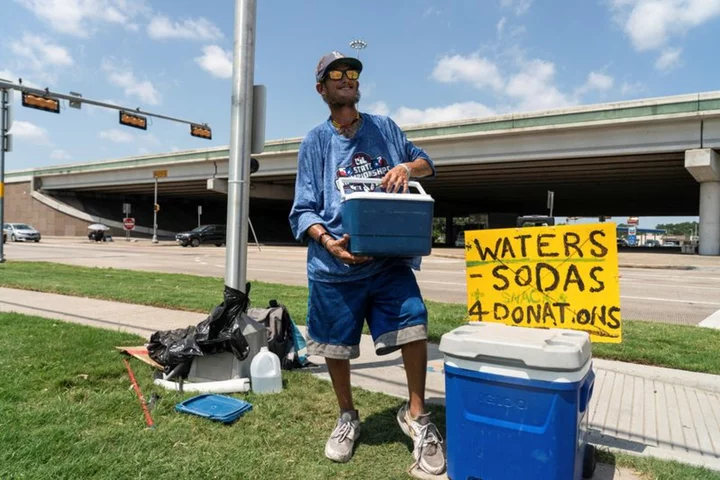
(549, 277)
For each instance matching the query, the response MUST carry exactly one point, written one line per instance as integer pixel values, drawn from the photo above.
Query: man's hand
(396, 180)
(338, 249)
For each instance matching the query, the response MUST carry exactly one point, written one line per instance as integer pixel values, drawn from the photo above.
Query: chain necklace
(349, 130)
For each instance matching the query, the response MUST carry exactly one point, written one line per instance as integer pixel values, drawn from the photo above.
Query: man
(346, 289)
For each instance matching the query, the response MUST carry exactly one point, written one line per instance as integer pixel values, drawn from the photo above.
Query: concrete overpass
(646, 157)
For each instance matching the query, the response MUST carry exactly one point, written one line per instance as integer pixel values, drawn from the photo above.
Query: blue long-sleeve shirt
(378, 146)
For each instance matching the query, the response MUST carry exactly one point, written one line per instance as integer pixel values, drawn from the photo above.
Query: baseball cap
(332, 59)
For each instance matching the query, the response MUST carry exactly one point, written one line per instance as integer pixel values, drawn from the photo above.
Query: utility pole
(155, 210)
(241, 117)
(4, 143)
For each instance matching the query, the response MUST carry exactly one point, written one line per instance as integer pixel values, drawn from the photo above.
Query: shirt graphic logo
(363, 166)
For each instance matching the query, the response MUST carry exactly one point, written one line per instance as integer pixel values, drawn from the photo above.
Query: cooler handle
(374, 181)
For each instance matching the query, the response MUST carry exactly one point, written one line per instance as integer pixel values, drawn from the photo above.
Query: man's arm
(396, 180)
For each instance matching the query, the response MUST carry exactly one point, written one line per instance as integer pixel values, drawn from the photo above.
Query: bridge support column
(449, 239)
(704, 165)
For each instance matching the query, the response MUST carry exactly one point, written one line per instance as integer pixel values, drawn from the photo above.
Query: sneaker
(339, 447)
(428, 444)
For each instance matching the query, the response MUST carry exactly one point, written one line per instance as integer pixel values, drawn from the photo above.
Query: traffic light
(133, 120)
(156, 207)
(202, 131)
(46, 104)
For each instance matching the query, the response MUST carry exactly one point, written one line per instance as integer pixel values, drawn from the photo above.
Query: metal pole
(154, 239)
(61, 96)
(3, 114)
(240, 142)
(252, 229)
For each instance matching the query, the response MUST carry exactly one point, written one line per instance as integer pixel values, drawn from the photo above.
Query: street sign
(160, 173)
(129, 223)
(632, 235)
(126, 208)
(550, 201)
(75, 103)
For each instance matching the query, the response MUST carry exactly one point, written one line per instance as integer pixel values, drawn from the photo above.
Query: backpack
(281, 333)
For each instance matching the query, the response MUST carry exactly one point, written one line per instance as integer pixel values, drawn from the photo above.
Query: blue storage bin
(517, 403)
(384, 224)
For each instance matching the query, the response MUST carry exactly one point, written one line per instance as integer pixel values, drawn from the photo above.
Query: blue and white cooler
(382, 224)
(517, 403)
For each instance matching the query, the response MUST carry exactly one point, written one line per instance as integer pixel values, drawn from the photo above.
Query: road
(663, 295)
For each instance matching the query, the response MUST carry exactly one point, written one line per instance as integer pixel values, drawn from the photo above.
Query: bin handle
(373, 181)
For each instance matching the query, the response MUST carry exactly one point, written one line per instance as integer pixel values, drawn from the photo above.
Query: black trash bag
(220, 332)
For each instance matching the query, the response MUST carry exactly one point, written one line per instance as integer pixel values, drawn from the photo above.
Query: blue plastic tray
(215, 407)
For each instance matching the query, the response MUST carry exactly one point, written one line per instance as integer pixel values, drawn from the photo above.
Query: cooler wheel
(589, 461)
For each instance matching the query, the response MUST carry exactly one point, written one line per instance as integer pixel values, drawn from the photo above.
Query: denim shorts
(390, 301)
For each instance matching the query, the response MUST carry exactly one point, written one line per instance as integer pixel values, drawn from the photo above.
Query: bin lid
(495, 343)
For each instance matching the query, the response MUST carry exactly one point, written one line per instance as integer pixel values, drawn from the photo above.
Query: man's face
(339, 93)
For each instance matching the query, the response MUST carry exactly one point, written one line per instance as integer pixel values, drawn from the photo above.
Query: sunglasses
(338, 74)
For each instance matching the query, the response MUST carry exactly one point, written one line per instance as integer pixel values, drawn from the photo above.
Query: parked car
(21, 232)
(621, 242)
(652, 243)
(4, 236)
(214, 234)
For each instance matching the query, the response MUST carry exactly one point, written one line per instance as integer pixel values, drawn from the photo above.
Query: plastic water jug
(265, 374)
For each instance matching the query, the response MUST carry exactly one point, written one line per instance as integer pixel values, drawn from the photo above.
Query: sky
(425, 61)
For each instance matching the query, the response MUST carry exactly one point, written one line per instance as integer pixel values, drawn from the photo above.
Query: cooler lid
(495, 343)
(405, 197)
(417, 197)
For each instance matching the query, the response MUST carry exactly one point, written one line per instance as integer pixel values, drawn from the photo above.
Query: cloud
(631, 88)
(123, 77)
(81, 18)
(39, 52)
(668, 59)
(432, 11)
(520, 7)
(473, 69)
(456, 111)
(501, 26)
(216, 61)
(533, 87)
(651, 23)
(30, 131)
(116, 135)
(596, 82)
(161, 28)
(60, 155)
(150, 139)
(378, 108)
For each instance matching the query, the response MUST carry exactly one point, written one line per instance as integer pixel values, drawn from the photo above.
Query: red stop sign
(129, 223)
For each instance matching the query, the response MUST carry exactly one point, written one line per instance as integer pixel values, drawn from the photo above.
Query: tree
(684, 228)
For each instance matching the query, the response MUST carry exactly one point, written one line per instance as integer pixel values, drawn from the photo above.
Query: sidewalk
(669, 414)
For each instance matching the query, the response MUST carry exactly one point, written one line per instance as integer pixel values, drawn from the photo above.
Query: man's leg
(335, 318)
(415, 360)
(340, 376)
(398, 319)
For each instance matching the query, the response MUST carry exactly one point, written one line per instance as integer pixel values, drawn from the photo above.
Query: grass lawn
(68, 411)
(673, 346)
